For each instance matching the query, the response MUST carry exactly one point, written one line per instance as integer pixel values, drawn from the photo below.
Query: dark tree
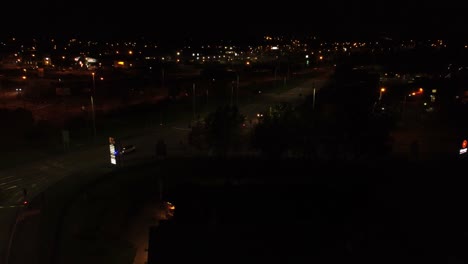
(224, 129)
(277, 131)
(197, 136)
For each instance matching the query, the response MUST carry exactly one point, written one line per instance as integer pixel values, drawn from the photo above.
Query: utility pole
(2, 90)
(162, 77)
(313, 95)
(313, 100)
(160, 118)
(237, 90)
(232, 92)
(92, 107)
(193, 91)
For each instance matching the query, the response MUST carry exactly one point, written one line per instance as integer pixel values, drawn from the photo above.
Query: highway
(38, 176)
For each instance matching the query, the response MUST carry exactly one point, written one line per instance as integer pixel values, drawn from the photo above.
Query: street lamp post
(237, 89)
(92, 106)
(162, 77)
(232, 92)
(313, 100)
(2, 90)
(21, 93)
(382, 90)
(94, 83)
(193, 92)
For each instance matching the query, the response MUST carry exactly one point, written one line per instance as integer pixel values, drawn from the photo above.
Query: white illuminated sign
(112, 154)
(463, 151)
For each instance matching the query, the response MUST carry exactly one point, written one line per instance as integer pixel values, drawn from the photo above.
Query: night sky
(178, 20)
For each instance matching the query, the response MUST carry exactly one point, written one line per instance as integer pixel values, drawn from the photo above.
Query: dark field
(304, 212)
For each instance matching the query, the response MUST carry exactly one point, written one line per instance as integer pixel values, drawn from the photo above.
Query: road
(39, 175)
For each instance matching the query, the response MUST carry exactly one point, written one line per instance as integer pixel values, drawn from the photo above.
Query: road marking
(11, 187)
(183, 129)
(58, 165)
(8, 206)
(4, 183)
(43, 106)
(43, 167)
(4, 178)
(18, 193)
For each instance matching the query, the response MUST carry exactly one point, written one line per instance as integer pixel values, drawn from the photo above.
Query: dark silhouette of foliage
(220, 131)
(277, 131)
(223, 130)
(341, 125)
(22, 120)
(43, 133)
(197, 136)
(78, 126)
(15, 124)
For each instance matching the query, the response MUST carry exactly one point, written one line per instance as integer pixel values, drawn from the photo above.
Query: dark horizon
(251, 35)
(173, 22)
(236, 33)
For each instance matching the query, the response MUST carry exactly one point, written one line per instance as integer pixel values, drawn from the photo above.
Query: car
(127, 149)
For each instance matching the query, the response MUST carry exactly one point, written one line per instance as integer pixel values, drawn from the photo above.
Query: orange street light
(382, 90)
